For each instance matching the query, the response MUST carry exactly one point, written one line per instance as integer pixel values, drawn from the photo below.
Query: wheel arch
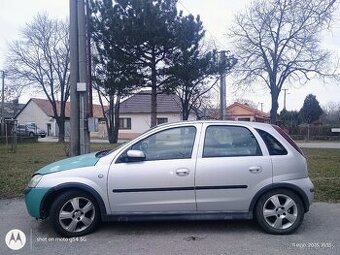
(297, 190)
(54, 192)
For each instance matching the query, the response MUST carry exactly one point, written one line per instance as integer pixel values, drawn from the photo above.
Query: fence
(323, 133)
(10, 138)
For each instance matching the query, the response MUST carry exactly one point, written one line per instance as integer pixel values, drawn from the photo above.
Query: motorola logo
(15, 239)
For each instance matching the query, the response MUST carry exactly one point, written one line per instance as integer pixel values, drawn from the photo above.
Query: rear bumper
(306, 185)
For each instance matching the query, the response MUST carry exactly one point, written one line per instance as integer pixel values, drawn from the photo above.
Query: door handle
(182, 172)
(255, 169)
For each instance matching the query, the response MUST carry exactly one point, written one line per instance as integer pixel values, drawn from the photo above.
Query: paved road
(321, 227)
(320, 145)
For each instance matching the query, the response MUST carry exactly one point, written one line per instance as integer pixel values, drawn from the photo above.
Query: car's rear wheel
(74, 213)
(279, 211)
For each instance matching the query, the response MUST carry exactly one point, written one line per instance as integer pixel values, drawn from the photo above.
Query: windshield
(106, 152)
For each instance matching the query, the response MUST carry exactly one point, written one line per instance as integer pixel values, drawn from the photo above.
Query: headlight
(34, 181)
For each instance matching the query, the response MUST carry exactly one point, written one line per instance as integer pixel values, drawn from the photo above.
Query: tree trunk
(153, 93)
(275, 106)
(185, 111)
(110, 121)
(153, 105)
(115, 130)
(61, 127)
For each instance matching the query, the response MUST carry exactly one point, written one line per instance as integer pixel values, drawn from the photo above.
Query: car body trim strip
(180, 188)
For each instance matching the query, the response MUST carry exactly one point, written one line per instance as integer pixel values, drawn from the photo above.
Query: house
(11, 109)
(240, 112)
(7, 117)
(40, 112)
(243, 112)
(135, 113)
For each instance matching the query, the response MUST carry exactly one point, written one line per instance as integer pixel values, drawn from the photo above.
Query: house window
(124, 123)
(243, 119)
(162, 120)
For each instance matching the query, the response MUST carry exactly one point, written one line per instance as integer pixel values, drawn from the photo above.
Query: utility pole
(83, 95)
(261, 107)
(284, 98)
(2, 120)
(74, 73)
(223, 93)
(80, 139)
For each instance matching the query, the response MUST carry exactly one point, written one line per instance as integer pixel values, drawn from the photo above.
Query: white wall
(141, 122)
(33, 113)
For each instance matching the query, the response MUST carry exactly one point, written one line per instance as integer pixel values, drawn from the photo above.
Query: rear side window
(288, 138)
(273, 145)
(230, 141)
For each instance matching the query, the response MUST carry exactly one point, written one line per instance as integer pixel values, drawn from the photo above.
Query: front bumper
(33, 200)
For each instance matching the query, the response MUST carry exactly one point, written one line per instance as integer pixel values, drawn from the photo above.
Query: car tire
(279, 212)
(74, 213)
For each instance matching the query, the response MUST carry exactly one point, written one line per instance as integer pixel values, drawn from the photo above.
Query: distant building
(243, 112)
(40, 112)
(135, 113)
(239, 112)
(11, 109)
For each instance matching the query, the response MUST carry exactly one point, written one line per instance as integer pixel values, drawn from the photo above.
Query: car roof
(227, 122)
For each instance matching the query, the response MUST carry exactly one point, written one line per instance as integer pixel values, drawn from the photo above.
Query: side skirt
(178, 216)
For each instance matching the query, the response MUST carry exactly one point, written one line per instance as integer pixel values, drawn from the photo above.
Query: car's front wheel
(74, 213)
(279, 211)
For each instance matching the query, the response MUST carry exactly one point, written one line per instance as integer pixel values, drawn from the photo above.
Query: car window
(230, 141)
(175, 143)
(273, 145)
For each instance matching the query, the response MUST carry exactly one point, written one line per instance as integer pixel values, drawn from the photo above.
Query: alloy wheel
(76, 214)
(280, 211)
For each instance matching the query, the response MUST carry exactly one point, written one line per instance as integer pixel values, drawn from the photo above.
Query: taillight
(288, 139)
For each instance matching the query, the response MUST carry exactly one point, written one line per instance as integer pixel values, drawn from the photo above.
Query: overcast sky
(216, 15)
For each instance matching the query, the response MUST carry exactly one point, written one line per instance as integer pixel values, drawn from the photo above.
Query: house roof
(11, 109)
(249, 109)
(230, 111)
(46, 107)
(141, 103)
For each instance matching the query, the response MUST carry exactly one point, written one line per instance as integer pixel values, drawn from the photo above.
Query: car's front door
(232, 165)
(164, 181)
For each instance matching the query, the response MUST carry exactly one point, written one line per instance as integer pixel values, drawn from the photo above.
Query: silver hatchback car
(198, 170)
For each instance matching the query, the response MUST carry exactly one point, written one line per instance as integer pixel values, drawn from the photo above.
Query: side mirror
(135, 155)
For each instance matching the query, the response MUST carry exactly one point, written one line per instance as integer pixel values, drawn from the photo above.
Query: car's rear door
(232, 165)
(164, 182)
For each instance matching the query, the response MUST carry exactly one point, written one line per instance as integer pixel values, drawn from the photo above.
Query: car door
(164, 181)
(232, 165)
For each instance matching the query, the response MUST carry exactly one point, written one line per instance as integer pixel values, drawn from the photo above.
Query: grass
(17, 168)
(324, 170)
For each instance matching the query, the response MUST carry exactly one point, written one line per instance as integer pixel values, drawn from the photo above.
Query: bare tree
(278, 41)
(41, 58)
(332, 113)
(248, 102)
(11, 92)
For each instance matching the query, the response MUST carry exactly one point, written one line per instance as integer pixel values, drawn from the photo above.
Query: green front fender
(33, 199)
